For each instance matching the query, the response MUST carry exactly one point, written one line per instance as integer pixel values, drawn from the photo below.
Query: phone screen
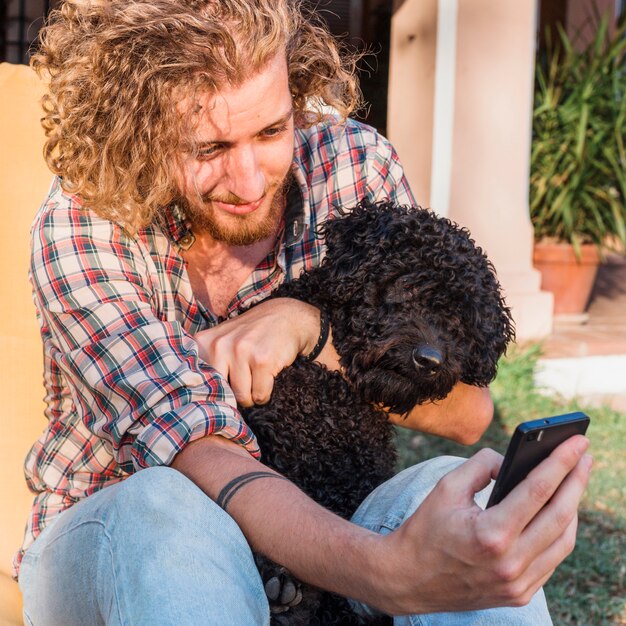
(532, 442)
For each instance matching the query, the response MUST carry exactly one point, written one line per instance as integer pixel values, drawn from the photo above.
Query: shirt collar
(177, 227)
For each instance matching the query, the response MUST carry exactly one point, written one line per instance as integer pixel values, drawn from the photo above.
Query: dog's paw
(283, 591)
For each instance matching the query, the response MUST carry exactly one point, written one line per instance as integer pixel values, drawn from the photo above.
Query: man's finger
(462, 483)
(240, 381)
(530, 496)
(220, 365)
(542, 567)
(262, 385)
(553, 520)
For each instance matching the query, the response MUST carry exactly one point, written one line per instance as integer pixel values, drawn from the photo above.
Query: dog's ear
(357, 241)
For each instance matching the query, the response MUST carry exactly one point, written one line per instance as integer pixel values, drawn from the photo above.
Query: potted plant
(578, 161)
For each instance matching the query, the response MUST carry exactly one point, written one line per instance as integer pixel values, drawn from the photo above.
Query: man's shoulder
(333, 132)
(62, 207)
(341, 163)
(334, 145)
(62, 217)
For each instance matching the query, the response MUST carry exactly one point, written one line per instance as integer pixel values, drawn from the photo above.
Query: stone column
(491, 132)
(410, 108)
(491, 147)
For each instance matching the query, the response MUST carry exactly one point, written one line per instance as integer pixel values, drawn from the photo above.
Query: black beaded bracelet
(323, 338)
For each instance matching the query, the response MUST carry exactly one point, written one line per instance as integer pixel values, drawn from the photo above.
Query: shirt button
(186, 241)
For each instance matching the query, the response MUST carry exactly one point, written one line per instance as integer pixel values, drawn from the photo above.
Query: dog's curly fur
(415, 307)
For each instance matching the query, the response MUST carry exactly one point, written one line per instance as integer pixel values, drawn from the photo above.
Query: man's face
(232, 188)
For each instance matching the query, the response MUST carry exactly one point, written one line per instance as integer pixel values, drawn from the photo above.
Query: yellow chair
(24, 179)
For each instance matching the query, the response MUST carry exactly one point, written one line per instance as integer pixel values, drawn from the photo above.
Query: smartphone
(532, 442)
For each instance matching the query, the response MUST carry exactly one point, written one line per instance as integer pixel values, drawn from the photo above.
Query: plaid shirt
(125, 388)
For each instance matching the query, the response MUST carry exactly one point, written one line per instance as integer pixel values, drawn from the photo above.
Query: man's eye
(275, 130)
(209, 151)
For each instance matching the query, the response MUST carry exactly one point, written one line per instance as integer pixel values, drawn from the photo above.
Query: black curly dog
(415, 307)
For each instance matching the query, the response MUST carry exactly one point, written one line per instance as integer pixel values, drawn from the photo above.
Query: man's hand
(250, 350)
(448, 556)
(463, 558)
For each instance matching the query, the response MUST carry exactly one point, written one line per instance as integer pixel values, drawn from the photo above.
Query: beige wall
(411, 90)
(24, 180)
(490, 150)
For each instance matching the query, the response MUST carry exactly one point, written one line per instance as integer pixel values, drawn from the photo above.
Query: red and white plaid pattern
(125, 388)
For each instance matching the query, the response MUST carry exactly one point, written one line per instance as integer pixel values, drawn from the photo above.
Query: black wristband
(323, 338)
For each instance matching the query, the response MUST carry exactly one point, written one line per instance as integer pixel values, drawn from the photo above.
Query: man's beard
(234, 230)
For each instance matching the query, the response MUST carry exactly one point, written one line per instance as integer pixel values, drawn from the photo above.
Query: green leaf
(582, 132)
(578, 153)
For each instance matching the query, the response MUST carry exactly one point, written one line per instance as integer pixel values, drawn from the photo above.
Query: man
(194, 163)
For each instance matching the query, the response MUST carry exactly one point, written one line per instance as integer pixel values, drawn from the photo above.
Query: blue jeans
(155, 550)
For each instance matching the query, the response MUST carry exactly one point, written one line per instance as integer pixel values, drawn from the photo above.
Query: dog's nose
(426, 357)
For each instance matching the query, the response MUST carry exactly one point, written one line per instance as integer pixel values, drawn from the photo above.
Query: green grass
(589, 588)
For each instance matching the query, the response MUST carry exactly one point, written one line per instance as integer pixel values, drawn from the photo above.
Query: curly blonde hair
(115, 69)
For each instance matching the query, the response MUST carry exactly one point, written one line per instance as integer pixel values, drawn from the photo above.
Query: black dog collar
(323, 338)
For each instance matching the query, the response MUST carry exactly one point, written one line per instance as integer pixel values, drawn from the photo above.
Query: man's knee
(130, 537)
(165, 499)
(151, 488)
(393, 501)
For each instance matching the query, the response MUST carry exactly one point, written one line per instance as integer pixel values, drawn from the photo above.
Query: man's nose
(246, 179)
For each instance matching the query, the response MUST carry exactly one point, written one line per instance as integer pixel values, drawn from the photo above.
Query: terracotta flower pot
(570, 279)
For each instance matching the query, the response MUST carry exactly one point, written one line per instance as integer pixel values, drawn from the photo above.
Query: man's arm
(463, 415)
(449, 555)
(129, 364)
(283, 523)
(241, 350)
